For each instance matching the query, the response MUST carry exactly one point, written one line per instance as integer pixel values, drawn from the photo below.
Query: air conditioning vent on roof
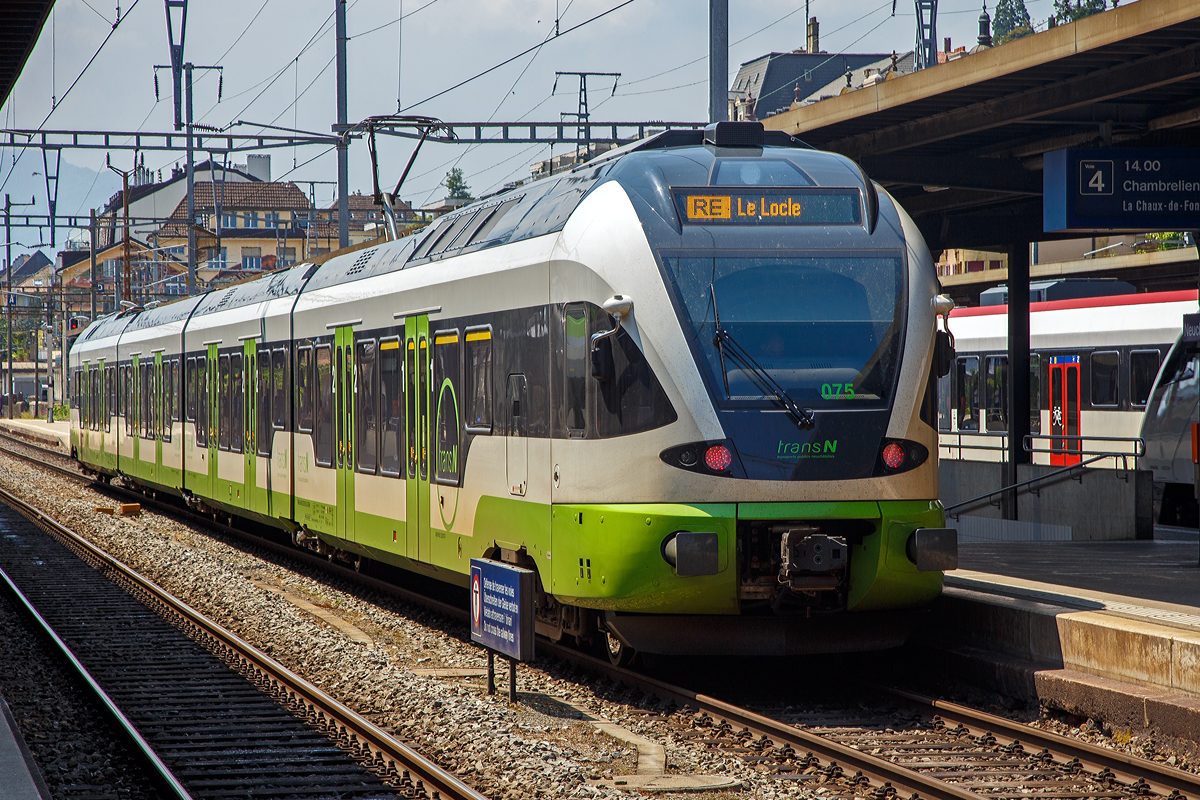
(361, 262)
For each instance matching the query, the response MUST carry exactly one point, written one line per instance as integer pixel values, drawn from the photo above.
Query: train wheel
(619, 653)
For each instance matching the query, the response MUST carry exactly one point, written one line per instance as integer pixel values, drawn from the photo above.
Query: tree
(456, 185)
(1011, 21)
(1070, 10)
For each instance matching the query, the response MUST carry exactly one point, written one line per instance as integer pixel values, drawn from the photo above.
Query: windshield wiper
(723, 339)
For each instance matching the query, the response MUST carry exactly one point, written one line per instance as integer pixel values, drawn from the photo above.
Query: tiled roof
(237, 197)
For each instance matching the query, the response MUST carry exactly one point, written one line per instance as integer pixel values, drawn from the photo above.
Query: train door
(1064, 410)
(416, 394)
(212, 399)
(248, 421)
(158, 395)
(344, 383)
(258, 441)
(516, 434)
(112, 422)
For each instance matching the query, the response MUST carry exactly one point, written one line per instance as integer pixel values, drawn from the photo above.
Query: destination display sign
(721, 205)
(502, 608)
(1121, 189)
(1191, 327)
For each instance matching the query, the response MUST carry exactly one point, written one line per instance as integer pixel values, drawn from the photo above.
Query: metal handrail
(1002, 448)
(1139, 443)
(1027, 444)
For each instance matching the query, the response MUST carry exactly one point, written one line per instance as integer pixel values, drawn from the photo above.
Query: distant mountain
(79, 189)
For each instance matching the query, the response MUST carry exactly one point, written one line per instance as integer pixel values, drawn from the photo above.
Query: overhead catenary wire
(511, 59)
(75, 82)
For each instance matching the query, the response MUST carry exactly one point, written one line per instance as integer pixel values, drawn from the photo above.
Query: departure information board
(723, 205)
(1121, 189)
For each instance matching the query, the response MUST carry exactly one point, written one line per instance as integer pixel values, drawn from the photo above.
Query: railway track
(939, 750)
(206, 731)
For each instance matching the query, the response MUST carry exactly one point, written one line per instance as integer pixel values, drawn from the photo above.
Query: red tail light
(893, 456)
(718, 458)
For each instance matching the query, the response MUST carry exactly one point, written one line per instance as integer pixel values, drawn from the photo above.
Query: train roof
(645, 169)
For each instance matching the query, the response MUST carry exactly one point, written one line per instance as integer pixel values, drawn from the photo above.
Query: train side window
(391, 406)
(223, 409)
(966, 379)
(1143, 367)
(237, 403)
(995, 391)
(202, 401)
(324, 405)
(126, 396)
(176, 388)
(479, 380)
(447, 385)
(304, 389)
(1035, 393)
(147, 391)
(279, 384)
(262, 432)
(1106, 369)
(168, 397)
(367, 402)
(111, 388)
(575, 322)
(190, 401)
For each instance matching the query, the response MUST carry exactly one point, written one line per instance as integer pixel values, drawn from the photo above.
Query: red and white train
(1095, 367)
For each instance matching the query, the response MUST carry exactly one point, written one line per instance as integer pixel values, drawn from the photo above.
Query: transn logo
(709, 207)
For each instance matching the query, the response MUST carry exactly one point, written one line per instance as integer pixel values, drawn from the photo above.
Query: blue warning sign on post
(502, 608)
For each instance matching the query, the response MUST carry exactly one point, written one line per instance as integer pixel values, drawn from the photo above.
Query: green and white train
(692, 384)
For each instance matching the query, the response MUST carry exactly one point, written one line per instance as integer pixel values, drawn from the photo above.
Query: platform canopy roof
(21, 23)
(961, 144)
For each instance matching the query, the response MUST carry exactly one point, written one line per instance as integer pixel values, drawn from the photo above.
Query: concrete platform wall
(1097, 504)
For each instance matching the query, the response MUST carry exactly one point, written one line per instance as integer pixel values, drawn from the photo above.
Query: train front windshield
(824, 329)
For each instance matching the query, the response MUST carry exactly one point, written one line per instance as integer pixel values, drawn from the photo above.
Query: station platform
(1107, 630)
(56, 435)
(20, 778)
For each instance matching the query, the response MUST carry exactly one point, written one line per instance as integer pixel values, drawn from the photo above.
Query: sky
(278, 70)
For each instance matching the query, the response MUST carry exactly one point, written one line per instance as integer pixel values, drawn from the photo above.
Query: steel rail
(881, 773)
(1161, 779)
(160, 773)
(317, 701)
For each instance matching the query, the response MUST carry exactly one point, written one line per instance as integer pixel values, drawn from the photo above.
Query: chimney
(814, 37)
(259, 167)
(946, 41)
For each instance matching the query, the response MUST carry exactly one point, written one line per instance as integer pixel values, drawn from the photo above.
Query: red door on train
(1064, 410)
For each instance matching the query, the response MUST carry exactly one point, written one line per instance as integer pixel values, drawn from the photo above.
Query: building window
(252, 219)
(287, 256)
(252, 258)
(271, 219)
(229, 220)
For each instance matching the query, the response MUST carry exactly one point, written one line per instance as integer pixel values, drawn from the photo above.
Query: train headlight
(899, 455)
(708, 458)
